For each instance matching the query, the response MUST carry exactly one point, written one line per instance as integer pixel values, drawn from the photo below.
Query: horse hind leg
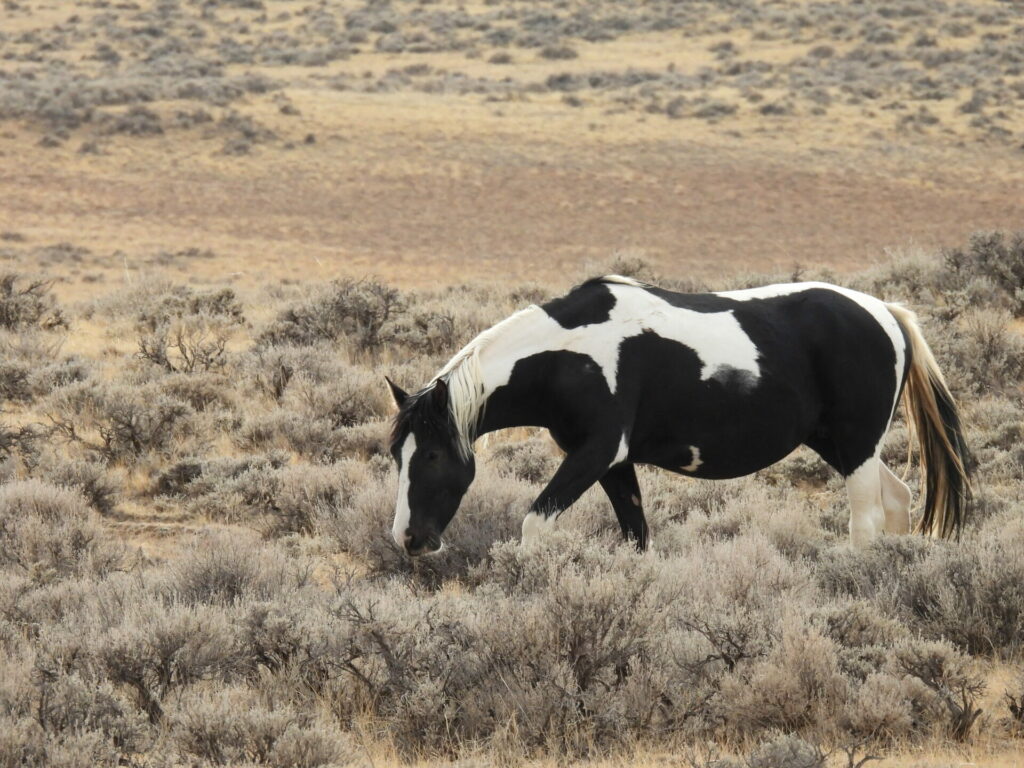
(867, 512)
(896, 498)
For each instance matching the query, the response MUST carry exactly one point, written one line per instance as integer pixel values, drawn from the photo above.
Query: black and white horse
(713, 385)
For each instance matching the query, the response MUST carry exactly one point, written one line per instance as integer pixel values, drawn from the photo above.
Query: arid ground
(443, 142)
(222, 220)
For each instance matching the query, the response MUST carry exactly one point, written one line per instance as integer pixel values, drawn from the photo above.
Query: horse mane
(467, 397)
(616, 280)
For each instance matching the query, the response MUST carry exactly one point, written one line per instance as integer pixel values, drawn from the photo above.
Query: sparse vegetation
(292, 632)
(128, 71)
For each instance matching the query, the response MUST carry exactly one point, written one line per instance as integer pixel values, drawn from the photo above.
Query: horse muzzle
(419, 545)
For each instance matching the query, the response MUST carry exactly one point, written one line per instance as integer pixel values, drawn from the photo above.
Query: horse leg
(580, 469)
(623, 491)
(867, 515)
(896, 499)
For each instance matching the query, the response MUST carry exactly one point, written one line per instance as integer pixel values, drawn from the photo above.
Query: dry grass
(417, 177)
(225, 548)
(199, 408)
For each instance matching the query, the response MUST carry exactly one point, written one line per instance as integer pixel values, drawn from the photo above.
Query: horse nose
(417, 544)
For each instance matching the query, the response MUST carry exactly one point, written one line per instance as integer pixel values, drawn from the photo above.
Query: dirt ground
(447, 191)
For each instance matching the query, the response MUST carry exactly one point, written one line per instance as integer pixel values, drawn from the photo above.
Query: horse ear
(399, 394)
(439, 395)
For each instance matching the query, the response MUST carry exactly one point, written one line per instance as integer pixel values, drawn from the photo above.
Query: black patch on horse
(589, 303)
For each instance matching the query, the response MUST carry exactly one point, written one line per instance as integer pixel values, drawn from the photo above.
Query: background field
(221, 222)
(440, 142)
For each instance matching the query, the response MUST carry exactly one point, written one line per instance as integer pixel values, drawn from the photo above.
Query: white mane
(620, 280)
(467, 396)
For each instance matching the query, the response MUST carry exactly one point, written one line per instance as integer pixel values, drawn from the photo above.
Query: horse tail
(944, 455)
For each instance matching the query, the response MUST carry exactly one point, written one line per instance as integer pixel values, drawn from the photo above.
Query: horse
(708, 385)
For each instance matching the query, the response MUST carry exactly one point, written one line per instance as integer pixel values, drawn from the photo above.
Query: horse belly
(727, 424)
(725, 436)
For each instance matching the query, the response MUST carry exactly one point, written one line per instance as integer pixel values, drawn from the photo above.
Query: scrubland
(143, 69)
(197, 566)
(444, 140)
(222, 221)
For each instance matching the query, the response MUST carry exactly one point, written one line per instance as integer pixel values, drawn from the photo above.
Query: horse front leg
(580, 469)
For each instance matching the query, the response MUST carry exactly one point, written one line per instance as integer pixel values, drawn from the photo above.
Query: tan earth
(444, 190)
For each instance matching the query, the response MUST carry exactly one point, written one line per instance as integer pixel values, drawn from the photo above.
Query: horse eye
(432, 455)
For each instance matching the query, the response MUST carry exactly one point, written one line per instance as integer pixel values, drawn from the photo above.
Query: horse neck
(485, 365)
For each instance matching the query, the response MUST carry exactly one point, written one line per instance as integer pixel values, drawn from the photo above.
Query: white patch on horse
(867, 514)
(874, 307)
(716, 337)
(622, 453)
(402, 509)
(536, 525)
(695, 460)
(486, 363)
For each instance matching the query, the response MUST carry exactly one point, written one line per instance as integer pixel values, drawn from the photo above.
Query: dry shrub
(980, 348)
(226, 568)
(802, 467)
(1015, 704)
(969, 593)
(23, 744)
(730, 597)
(973, 595)
(313, 439)
(858, 623)
(997, 256)
(798, 685)
(93, 480)
(787, 751)
(532, 460)
(31, 366)
(157, 304)
(28, 304)
(357, 310)
(350, 396)
(48, 533)
(890, 707)
(232, 725)
(491, 511)
(863, 633)
(270, 368)
(575, 660)
(197, 343)
(871, 573)
(224, 489)
(69, 705)
(186, 332)
(302, 638)
(120, 423)
(429, 332)
(951, 677)
(304, 490)
(17, 443)
(204, 391)
(158, 648)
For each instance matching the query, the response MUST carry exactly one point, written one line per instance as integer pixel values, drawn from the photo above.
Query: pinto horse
(710, 385)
